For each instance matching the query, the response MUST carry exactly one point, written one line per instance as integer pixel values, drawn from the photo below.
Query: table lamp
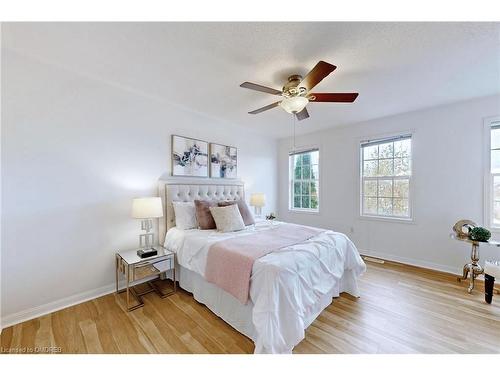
(258, 200)
(147, 209)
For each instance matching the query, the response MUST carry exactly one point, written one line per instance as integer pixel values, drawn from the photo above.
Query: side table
(473, 269)
(134, 268)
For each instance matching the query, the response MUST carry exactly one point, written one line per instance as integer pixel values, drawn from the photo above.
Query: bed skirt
(221, 303)
(240, 316)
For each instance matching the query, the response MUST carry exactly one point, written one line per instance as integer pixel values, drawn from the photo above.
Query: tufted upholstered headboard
(185, 189)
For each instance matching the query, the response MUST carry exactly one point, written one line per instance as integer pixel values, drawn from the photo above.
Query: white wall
(75, 151)
(448, 183)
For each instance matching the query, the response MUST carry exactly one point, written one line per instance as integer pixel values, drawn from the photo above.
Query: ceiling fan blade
(334, 97)
(302, 115)
(270, 106)
(316, 75)
(254, 86)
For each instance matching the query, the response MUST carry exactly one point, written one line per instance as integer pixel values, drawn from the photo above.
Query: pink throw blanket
(230, 262)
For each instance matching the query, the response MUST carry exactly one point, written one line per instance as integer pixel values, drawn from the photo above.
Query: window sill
(299, 211)
(398, 220)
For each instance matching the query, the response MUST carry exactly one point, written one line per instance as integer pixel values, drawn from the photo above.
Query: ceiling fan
(297, 93)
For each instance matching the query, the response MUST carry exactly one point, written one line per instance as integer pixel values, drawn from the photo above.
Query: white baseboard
(50, 307)
(412, 262)
(60, 304)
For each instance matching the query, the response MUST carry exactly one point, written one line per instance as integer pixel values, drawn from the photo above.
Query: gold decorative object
(463, 227)
(472, 269)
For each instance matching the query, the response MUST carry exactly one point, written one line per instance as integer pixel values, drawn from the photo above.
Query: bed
(288, 288)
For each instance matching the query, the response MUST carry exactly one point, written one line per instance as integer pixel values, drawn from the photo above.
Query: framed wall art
(223, 161)
(189, 157)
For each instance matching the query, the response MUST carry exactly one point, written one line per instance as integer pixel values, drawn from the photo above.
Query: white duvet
(289, 287)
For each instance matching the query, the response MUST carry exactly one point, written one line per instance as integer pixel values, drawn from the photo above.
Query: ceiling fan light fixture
(295, 104)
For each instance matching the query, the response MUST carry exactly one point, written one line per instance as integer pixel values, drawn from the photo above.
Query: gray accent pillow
(245, 212)
(228, 218)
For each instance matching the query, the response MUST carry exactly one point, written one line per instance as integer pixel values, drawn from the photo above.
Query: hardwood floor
(402, 309)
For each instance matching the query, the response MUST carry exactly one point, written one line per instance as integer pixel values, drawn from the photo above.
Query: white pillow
(228, 218)
(185, 215)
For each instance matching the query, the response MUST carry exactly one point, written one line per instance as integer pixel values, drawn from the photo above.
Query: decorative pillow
(245, 212)
(203, 215)
(185, 215)
(228, 218)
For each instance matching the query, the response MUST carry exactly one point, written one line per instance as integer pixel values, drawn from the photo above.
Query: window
(386, 177)
(304, 181)
(493, 173)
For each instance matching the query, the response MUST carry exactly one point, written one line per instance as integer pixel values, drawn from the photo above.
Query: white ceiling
(396, 67)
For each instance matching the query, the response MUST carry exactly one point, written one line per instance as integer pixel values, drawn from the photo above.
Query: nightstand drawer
(143, 271)
(154, 267)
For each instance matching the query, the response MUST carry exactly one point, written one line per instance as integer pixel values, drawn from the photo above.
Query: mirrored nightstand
(134, 269)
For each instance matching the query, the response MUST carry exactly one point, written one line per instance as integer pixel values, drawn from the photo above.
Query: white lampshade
(147, 208)
(294, 104)
(258, 200)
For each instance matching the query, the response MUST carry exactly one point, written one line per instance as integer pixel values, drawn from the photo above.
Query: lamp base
(146, 240)
(258, 211)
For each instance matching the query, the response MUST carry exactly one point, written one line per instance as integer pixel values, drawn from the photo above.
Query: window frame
(488, 209)
(411, 179)
(291, 180)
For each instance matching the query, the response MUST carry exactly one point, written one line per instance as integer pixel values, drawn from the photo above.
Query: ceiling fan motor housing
(292, 88)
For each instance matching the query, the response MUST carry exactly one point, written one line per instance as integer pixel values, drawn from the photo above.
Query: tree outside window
(305, 180)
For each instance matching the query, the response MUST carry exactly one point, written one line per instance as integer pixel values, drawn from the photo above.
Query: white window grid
(393, 177)
(293, 180)
(494, 224)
